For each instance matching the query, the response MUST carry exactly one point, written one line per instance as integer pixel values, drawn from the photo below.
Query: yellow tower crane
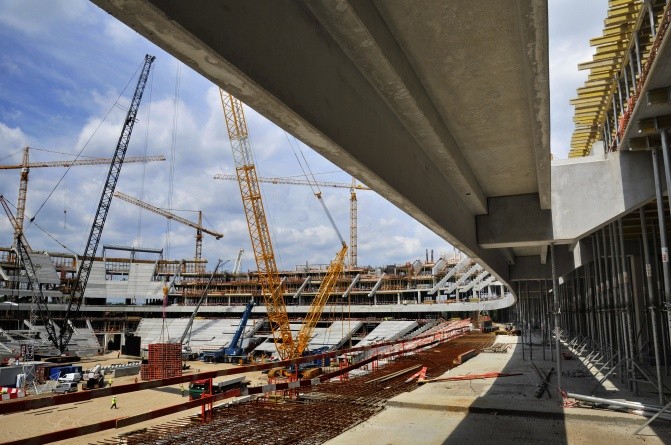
(271, 285)
(353, 187)
(26, 165)
(198, 226)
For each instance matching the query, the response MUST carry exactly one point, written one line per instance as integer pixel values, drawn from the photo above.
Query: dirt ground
(31, 423)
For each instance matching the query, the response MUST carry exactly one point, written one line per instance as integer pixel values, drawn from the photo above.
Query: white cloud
(12, 137)
(39, 18)
(119, 33)
(571, 24)
(86, 76)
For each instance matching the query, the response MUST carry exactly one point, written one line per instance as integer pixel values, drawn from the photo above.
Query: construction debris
(462, 358)
(498, 348)
(394, 375)
(544, 380)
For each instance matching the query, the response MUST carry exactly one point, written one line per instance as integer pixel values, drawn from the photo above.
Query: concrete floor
(504, 410)
(498, 411)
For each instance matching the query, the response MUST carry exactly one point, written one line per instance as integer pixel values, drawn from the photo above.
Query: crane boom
(271, 285)
(77, 291)
(75, 162)
(238, 262)
(187, 329)
(26, 165)
(317, 307)
(353, 239)
(167, 214)
(291, 181)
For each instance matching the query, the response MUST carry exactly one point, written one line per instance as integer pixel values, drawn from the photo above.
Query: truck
(205, 386)
(94, 378)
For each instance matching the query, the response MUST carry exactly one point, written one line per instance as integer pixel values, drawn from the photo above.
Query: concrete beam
(544, 253)
(514, 221)
(530, 267)
(362, 34)
(354, 95)
(591, 192)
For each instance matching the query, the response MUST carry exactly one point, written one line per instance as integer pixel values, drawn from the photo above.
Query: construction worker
(181, 388)
(113, 402)
(110, 382)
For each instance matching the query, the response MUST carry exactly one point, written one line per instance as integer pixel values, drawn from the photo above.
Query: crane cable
(47, 233)
(79, 154)
(31, 220)
(144, 153)
(173, 144)
(313, 184)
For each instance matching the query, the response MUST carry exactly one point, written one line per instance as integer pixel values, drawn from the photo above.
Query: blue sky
(64, 64)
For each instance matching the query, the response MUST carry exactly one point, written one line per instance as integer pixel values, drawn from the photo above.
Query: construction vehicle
(353, 203)
(198, 226)
(272, 287)
(234, 351)
(94, 378)
(61, 339)
(235, 348)
(78, 289)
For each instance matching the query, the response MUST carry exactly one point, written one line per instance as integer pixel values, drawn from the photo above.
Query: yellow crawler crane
(317, 307)
(271, 285)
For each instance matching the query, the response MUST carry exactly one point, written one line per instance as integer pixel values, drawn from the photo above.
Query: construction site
(312, 325)
(547, 322)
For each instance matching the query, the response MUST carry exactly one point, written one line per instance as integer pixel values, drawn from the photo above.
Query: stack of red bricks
(164, 361)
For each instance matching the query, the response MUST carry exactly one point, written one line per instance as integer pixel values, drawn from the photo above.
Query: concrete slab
(504, 410)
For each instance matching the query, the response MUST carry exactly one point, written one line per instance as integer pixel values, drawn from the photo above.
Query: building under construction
(125, 287)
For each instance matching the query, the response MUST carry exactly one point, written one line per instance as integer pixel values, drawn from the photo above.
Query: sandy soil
(30, 423)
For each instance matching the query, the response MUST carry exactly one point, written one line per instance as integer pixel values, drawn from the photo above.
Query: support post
(651, 301)
(557, 311)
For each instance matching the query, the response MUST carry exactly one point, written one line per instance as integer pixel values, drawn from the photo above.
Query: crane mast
(238, 262)
(77, 291)
(23, 191)
(271, 285)
(353, 239)
(38, 301)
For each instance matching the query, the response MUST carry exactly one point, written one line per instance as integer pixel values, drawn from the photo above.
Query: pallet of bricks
(164, 361)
